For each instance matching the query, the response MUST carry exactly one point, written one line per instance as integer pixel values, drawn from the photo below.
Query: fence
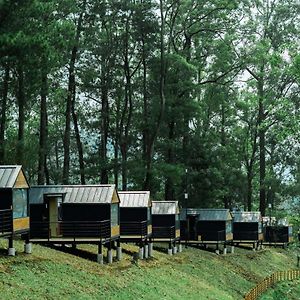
(260, 288)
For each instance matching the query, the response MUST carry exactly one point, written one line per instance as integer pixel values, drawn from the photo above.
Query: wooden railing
(261, 287)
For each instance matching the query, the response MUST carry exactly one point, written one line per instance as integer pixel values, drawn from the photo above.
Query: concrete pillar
(225, 251)
(146, 251)
(11, 249)
(100, 259)
(28, 248)
(150, 249)
(119, 253)
(232, 249)
(179, 248)
(109, 256)
(217, 251)
(174, 249)
(141, 252)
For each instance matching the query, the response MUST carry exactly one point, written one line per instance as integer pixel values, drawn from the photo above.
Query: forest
(171, 96)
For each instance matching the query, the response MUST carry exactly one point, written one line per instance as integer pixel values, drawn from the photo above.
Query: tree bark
(78, 140)
(3, 114)
(104, 130)
(70, 97)
(169, 186)
(43, 130)
(262, 147)
(21, 122)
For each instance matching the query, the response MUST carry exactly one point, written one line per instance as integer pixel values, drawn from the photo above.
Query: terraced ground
(193, 274)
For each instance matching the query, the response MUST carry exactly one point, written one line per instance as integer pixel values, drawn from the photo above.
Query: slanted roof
(207, 214)
(247, 216)
(165, 207)
(12, 177)
(135, 199)
(85, 194)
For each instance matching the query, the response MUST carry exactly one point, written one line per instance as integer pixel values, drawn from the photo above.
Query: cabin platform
(77, 240)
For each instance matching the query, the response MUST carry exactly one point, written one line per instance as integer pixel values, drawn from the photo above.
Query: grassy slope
(288, 290)
(193, 274)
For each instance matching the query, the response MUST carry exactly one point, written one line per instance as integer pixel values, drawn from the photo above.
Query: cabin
(278, 233)
(14, 212)
(136, 220)
(76, 214)
(206, 226)
(247, 228)
(166, 224)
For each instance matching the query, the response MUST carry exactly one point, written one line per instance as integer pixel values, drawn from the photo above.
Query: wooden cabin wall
(163, 220)
(209, 230)
(5, 198)
(85, 212)
(129, 214)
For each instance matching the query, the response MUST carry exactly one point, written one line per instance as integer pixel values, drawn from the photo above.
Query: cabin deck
(77, 240)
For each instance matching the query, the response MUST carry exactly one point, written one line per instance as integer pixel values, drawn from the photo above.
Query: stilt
(119, 250)
(73, 246)
(174, 248)
(141, 251)
(217, 249)
(27, 246)
(11, 249)
(179, 248)
(225, 250)
(232, 249)
(170, 250)
(146, 251)
(109, 254)
(150, 249)
(100, 255)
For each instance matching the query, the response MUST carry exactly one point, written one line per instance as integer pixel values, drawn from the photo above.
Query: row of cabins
(99, 214)
(221, 227)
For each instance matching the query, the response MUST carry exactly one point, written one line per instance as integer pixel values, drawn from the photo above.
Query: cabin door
(53, 213)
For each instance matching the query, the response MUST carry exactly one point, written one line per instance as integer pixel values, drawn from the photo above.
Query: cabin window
(114, 215)
(20, 203)
(229, 227)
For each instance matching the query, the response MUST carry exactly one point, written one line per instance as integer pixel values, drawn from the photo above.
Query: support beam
(146, 251)
(150, 249)
(119, 251)
(11, 249)
(100, 255)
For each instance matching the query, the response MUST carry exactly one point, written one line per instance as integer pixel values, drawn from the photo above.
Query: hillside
(193, 274)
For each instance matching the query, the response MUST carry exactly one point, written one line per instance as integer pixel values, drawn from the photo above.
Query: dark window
(20, 203)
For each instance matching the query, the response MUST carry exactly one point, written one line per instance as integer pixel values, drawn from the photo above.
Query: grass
(193, 274)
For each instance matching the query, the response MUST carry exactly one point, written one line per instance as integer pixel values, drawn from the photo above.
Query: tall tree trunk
(104, 130)
(162, 80)
(78, 140)
(21, 120)
(43, 129)
(169, 186)
(3, 114)
(249, 190)
(70, 97)
(262, 147)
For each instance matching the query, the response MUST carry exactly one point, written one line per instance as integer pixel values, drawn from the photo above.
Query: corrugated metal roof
(74, 193)
(8, 175)
(135, 199)
(246, 216)
(207, 214)
(165, 207)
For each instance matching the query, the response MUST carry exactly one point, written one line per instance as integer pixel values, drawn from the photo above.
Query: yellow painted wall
(149, 229)
(115, 230)
(20, 224)
(178, 233)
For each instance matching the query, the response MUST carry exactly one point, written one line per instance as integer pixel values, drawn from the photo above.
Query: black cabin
(135, 216)
(74, 214)
(277, 233)
(165, 221)
(247, 227)
(14, 212)
(206, 226)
